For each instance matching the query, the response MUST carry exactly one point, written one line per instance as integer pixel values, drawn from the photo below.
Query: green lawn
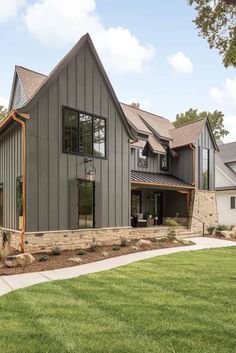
(183, 302)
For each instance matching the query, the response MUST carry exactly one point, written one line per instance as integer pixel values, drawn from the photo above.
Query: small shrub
(81, 252)
(5, 238)
(116, 248)
(94, 247)
(56, 251)
(211, 230)
(170, 222)
(221, 227)
(43, 258)
(124, 242)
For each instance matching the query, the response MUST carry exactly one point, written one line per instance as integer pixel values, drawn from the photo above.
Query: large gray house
(72, 157)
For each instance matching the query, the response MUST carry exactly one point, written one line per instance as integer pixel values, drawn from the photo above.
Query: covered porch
(156, 197)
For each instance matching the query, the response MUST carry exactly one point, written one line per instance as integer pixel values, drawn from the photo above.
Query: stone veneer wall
(204, 208)
(82, 238)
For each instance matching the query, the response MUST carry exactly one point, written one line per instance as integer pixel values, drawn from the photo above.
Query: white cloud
(230, 88)
(3, 102)
(180, 63)
(229, 122)
(63, 22)
(216, 94)
(9, 9)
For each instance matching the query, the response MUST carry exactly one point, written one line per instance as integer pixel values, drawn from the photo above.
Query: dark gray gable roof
(228, 152)
(40, 86)
(159, 179)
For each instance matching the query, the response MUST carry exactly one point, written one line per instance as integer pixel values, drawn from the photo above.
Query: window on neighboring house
(232, 202)
(142, 160)
(84, 134)
(205, 169)
(164, 161)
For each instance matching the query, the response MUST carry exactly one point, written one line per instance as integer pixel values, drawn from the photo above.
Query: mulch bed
(61, 261)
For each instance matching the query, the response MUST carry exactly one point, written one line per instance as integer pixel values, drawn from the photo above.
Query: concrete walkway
(13, 282)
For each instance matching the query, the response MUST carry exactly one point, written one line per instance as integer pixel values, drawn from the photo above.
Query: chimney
(135, 105)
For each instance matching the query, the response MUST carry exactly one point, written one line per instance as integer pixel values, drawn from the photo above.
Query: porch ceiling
(162, 180)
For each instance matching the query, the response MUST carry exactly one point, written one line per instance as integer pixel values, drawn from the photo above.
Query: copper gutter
(12, 115)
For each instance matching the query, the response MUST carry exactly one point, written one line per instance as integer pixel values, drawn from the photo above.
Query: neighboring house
(72, 156)
(226, 183)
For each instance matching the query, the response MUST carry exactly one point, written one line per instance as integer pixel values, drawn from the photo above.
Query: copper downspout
(22, 123)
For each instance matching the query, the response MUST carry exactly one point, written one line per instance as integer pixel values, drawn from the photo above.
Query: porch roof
(148, 178)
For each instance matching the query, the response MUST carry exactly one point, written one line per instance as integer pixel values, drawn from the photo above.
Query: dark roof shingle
(187, 134)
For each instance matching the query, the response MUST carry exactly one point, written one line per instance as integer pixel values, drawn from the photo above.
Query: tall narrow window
(205, 169)
(164, 161)
(86, 204)
(232, 202)
(85, 134)
(135, 202)
(70, 131)
(99, 136)
(142, 159)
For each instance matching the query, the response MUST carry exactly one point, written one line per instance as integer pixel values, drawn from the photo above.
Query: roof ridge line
(191, 122)
(26, 68)
(145, 111)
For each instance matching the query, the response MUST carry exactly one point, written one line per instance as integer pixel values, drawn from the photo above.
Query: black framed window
(164, 161)
(99, 137)
(84, 134)
(205, 169)
(142, 159)
(232, 202)
(135, 202)
(70, 131)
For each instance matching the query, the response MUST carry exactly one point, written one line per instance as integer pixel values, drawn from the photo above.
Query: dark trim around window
(232, 202)
(93, 116)
(167, 160)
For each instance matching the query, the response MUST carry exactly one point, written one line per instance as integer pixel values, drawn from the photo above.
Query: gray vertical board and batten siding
(181, 166)
(10, 169)
(153, 162)
(49, 171)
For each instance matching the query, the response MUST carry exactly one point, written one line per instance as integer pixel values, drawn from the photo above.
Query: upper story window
(164, 161)
(84, 134)
(142, 159)
(232, 202)
(205, 169)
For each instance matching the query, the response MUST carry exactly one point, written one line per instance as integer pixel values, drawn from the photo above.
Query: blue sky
(150, 49)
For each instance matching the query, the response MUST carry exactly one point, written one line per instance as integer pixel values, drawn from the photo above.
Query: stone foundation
(82, 238)
(204, 209)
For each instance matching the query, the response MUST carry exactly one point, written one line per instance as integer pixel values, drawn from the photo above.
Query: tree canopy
(216, 120)
(3, 112)
(216, 21)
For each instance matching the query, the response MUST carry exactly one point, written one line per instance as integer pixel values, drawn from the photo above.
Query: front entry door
(86, 204)
(157, 198)
(1, 205)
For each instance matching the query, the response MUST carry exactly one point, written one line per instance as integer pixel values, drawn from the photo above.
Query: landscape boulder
(224, 234)
(19, 260)
(75, 259)
(143, 243)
